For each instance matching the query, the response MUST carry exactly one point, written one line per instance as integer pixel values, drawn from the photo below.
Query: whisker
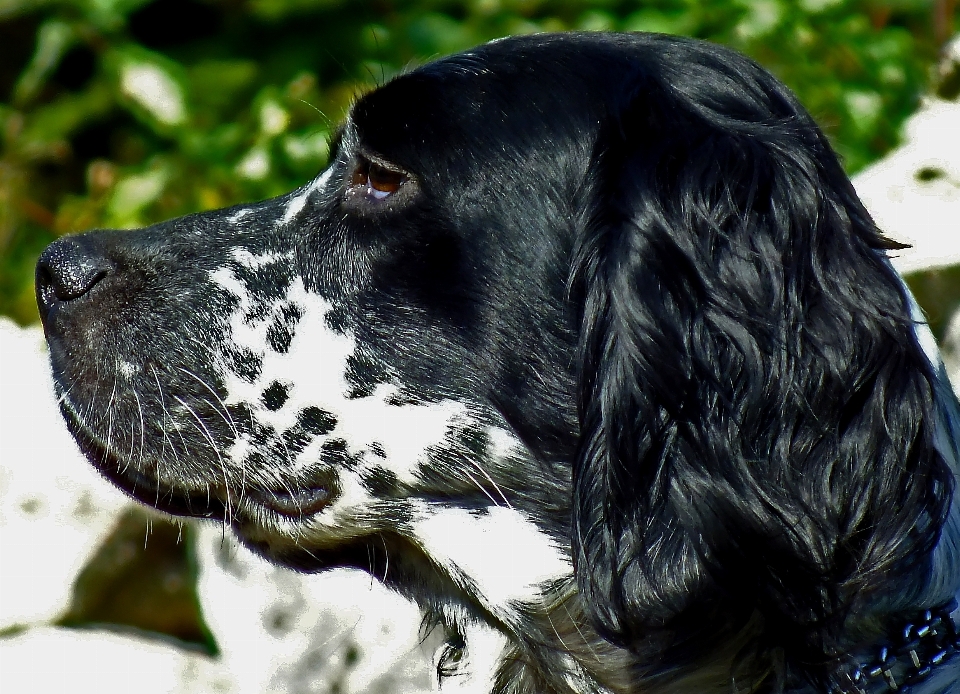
(163, 428)
(220, 407)
(64, 396)
(224, 413)
(586, 642)
(113, 394)
(557, 633)
(278, 478)
(228, 516)
(142, 424)
(133, 440)
(480, 468)
(480, 487)
(386, 555)
(326, 118)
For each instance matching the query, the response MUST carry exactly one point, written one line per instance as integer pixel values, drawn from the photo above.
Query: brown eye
(383, 181)
(378, 181)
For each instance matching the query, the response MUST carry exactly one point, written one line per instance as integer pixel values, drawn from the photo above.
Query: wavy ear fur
(756, 440)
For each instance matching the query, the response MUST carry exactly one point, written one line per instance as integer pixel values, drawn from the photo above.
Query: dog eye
(383, 180)
(379, 181)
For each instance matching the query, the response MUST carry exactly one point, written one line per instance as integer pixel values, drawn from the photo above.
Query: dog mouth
(295, 503)
(216, 499)
(177, 500)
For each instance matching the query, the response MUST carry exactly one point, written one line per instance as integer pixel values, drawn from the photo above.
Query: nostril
(68, 269)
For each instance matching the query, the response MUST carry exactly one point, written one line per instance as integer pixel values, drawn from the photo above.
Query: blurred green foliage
(123, 112)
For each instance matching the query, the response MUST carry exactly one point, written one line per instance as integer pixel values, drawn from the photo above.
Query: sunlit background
(120, 113)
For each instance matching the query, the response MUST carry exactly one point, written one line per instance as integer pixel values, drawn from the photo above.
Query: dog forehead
(450, 110)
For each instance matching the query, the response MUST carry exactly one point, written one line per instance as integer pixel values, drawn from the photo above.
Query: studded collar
(910, 656)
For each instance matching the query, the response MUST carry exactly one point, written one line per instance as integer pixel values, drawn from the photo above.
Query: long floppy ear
(756, 443)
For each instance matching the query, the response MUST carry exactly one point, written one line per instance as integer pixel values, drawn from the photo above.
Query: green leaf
(135, 192)
(53, 40)
(151, 86)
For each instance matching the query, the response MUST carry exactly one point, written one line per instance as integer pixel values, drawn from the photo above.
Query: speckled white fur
(499, 555)
(315, 366)
(254, 262)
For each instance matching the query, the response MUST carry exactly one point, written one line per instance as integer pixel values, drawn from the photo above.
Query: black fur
(752, 397)
(639, 255)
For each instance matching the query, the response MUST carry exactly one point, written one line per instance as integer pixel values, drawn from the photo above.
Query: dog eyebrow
(349, 137)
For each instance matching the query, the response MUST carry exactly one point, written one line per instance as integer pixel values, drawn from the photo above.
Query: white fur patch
(506, 557)
(502, 443)
(298, 201)
(239, 214)
(254, 262)
(316, 365)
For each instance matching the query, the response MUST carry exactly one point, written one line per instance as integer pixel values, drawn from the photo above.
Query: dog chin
(178, 499)
(303, 547)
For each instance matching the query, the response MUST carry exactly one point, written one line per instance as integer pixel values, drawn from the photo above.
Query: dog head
(592, 301)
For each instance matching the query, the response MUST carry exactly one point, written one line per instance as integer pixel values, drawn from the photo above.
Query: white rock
(52, 659)
(54, 508)
(281, 631)
(950, 349)
(914, 192)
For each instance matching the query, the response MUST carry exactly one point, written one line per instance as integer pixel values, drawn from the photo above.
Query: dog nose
(67, 270)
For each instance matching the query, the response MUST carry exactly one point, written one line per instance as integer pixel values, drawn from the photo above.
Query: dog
(585, 343)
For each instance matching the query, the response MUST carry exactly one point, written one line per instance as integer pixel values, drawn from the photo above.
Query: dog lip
(294, 499)
(178, 503)
(297, 502)
(144, 488)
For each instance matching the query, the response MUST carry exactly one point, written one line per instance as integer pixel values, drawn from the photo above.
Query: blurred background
(124, 112)
(120, 113)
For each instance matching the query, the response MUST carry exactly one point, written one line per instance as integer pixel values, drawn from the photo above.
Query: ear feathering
(756, 430)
